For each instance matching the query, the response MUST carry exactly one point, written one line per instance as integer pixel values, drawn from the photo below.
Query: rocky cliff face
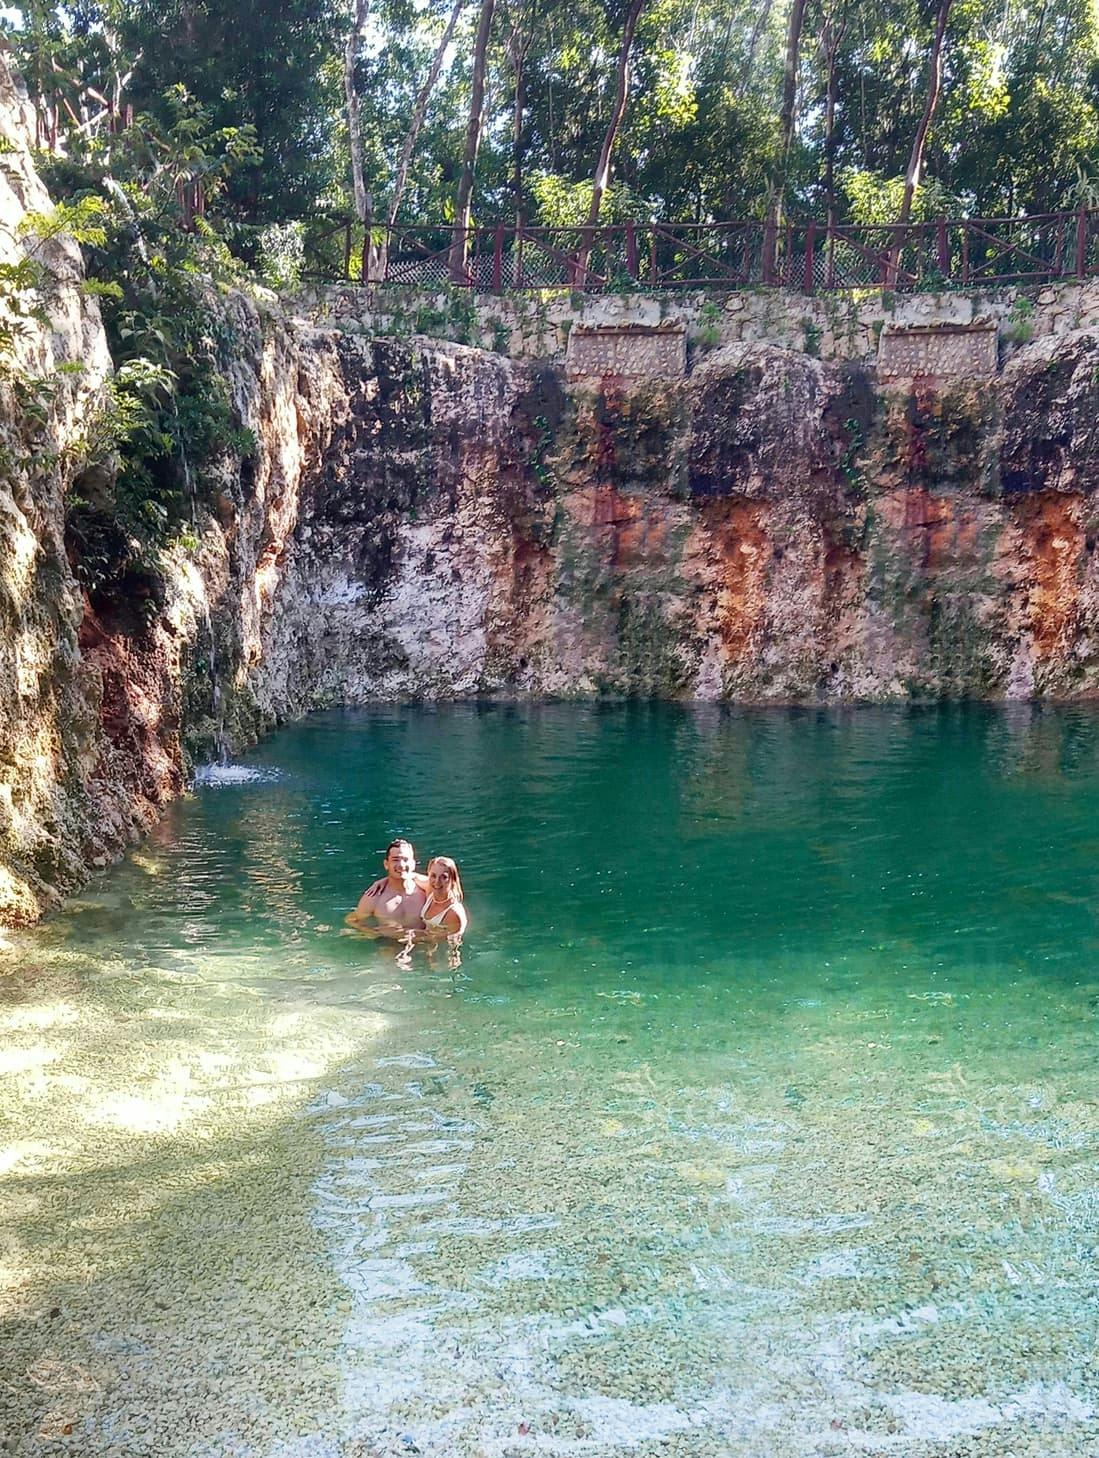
(65, 796)
(773, 528)
(425, 519)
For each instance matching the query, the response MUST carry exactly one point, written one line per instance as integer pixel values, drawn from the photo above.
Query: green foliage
(501, 335)
(134, 200)
(876, 200)
(562, 204)
(1016, 129)
(1020, 323)
(708, 332)
(269, 68)
(282, 255)
(20, 304)
(82, 220)
(849, 468)
(542, 444)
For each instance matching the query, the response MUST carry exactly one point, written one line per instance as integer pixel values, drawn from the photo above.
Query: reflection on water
(760, 1117)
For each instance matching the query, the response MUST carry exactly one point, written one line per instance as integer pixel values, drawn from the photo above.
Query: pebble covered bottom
(759, 1118)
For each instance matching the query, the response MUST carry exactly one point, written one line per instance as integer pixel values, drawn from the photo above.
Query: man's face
(400, 862)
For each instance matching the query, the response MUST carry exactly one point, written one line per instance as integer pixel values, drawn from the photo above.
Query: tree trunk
(519, 41)
(463, 203)
(762, 17)
(786, 135)
(354, 130)
(919, 141)
(832, 34)
(419, 111)
(602, 175)
(934, 86)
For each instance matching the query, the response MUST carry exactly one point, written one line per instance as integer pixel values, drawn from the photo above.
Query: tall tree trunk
(517, 145)
(354, 128)
(934, 86)
(919, 141)
(786, 136)
(520, 37)
(831, 38)
(419, 111)
(463, 202)
(763, 14)
(602, 177)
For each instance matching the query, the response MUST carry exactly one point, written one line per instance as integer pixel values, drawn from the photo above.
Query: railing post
(770, 241)
(459, 252)
(944, 248)
(653, 270)
(808, 280)
(631, 251)
(1081, 242)
(498, 259)
(347, 250)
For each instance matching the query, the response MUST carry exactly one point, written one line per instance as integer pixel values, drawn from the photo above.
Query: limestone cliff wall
(770, 529)
(64, 796)
(421, 518)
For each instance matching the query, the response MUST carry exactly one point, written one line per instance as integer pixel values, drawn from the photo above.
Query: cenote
(759, 1118)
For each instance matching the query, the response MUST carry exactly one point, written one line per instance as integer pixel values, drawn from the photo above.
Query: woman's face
(439, 879)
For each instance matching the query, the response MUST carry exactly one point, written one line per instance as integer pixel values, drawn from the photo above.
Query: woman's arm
(455, 922)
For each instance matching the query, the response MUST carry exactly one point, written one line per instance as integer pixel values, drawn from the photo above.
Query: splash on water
(218, 775)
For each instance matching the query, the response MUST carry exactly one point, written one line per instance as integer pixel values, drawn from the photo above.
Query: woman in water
(443, 911)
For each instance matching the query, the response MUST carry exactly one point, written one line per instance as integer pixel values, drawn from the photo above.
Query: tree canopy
(722, 99)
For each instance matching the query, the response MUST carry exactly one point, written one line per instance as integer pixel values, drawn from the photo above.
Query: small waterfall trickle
(217, 698)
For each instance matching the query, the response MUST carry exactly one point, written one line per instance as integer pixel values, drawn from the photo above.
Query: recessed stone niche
(628, 351)
(942, 351)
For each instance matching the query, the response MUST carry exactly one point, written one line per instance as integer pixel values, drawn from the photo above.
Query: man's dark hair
(399, 841)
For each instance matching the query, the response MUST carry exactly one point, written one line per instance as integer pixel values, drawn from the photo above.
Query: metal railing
(958, 252)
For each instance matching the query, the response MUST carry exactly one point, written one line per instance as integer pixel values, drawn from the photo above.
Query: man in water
(396, 901)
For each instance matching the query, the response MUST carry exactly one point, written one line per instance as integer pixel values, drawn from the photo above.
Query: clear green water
(760, 1118)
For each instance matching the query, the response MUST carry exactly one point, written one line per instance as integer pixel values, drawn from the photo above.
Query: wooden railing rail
(807, 256)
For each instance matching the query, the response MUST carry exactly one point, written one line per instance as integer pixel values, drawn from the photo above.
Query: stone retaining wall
(834, 326)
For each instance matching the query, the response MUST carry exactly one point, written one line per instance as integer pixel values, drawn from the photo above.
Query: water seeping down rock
(424, 519)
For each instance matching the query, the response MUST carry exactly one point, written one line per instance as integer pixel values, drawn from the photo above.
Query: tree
(786, 134)
(934, 85)
(463, 204)
(352, 52)
(265, 64)
(602, 176)
(419, 111)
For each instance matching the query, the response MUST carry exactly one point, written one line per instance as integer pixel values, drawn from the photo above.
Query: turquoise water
(759, 1118)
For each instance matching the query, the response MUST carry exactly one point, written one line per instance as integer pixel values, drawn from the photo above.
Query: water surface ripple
(759, 1119)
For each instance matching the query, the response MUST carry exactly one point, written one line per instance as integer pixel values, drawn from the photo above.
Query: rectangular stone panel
(630, 351)
(938, 350)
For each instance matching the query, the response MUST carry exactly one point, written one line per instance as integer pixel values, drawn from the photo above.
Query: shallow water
(759, 1119)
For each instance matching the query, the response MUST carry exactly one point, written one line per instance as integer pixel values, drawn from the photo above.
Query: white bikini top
(437, 921)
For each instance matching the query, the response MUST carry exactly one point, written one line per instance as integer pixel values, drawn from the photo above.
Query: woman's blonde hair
(455, 878)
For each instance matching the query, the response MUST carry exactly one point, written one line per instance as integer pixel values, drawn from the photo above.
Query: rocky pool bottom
(759, 1120)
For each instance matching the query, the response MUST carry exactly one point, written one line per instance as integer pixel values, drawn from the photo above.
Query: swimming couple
(405, 902)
